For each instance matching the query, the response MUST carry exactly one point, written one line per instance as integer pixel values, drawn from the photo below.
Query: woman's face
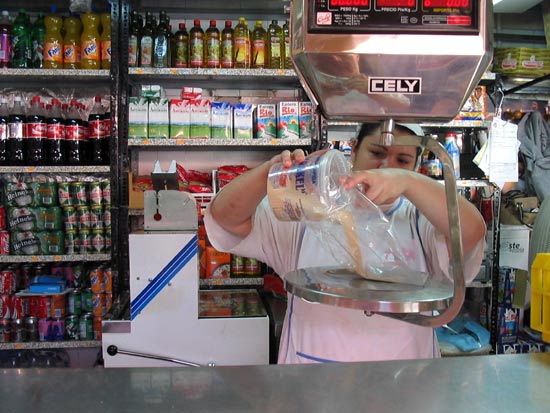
(369, 154)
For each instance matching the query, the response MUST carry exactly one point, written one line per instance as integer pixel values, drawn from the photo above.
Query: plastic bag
(80, 6)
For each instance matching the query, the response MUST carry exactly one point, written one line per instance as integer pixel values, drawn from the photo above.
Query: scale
(391, 61)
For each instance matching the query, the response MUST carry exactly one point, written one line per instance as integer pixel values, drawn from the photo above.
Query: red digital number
(396, 3)
(348, 3)
(447, 3)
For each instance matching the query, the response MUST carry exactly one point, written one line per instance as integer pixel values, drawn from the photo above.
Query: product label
(97, 129)
(132, 51)
(71, 53)
(90, 50)
(181, 54)
(258, 53)
(213, 52)
(147, 51)
(227, 53)
(37, 130)
(55, 131)
(197, 49)
(241, 44)
(106, 50)
(53, 52)
(75, 133)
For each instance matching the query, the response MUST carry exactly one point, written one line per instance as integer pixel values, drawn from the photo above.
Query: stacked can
(101, 282)
(4, 233)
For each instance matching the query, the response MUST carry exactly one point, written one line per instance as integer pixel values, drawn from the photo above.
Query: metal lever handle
(113, 350)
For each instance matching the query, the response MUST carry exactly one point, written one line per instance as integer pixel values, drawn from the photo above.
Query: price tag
(179, 141)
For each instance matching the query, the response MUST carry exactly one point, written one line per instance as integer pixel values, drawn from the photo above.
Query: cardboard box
(243, 121)
(265, 121)
(221, 120)
(514, 246)
(305, 119)
(200, 118)
(218, 264)
(287, 124)
(521, 61)
(159, 118)
(135, 198)
(180, 119)
(138, 118)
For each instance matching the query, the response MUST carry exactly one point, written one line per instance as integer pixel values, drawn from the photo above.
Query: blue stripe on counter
(163, 277)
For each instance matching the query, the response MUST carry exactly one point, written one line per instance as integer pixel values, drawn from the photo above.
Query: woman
(240, 220)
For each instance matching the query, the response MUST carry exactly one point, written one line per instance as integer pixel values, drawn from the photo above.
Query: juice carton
(191, 93)
(200, 118)
(222, 120)
(159, 118)
(243, 121)
(287, 125)
(180, 119)
(266, 121)
(138, 117)
(305, 119)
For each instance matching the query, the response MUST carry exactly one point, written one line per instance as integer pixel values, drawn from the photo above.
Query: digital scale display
(393, 16)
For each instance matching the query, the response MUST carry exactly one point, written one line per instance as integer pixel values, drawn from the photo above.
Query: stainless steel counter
(510, 383)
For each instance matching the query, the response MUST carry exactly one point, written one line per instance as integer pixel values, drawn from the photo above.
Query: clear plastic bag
(80, 6)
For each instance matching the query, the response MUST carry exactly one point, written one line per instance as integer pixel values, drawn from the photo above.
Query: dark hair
(371, 128)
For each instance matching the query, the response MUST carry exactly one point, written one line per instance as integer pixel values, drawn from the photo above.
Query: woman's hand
(287, 157)
(381, 186)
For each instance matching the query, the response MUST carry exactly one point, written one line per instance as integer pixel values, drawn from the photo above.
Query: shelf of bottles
(58, 75)
(225, 282)
(265, 143)
(43, 345)
(54, 258)
(55, 169)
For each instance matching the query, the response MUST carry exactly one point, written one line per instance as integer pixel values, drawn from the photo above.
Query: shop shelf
(481, 124)
(53, 258)
(42, 77)
(220, 143)
(42, 345)
(55, 169)
(244, 281)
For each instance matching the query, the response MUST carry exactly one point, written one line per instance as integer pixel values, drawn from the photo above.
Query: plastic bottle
(38, 32)
(5, 40)
(21, 41)
(71, 43)
(259, 37)
(241, 44)
(454, 153)
(161, 42)
(4, 118)
(134, 40)
(227, 46)
(196, 45)
(212, 46)
(16, 132)
(36, 134)
(286, 33)
(96, 124)
(89, 42)
(75, 136)
(180, 52)
(107, 140)
(55, 153)
(146, 45)
(105, 41)
(53, 43)
(275, 46)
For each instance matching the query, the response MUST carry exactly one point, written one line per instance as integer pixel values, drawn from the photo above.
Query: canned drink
(44, 331)
(27, 272)
(107, 217)
(83, 217)
(108, 279)
(96, 217)
(25, 243)
(68, 273)
(74, 302)
(108, 241)
(237, 265)
(87, 306)
(18, 331)
(98, 304)
(70, 219)
(31, 325)
(57, 329)
(106, 192)
(2, 217)
(98, 241)
(86, 328)
(57, 270)
(19, 307)
(45, 193)
(78, 193)
(253, 305)
(7, 281)
(78, 274)
(5, 306)
(108, 302)
(72, 327)
(33, 305)
(52, 242)
(4, 242)
(96, 323)
(252, 267)
(5, 330)
(64, 194)
(58, 306)
(85, 240)
(96, 280)
(95, 193)
(44, 308)
(72, 242)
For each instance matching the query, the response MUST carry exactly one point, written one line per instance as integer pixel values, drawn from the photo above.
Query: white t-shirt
(314, 332)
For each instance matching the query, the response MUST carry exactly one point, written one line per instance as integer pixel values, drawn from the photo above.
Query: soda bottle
(5, 39)
(4, 115)
(227, 46)
(161, 43)
(75, 135)
(56, 134)
(89, 42)
(258, 46)
(107, 139)
(53, 43)
(38, 32)
(146, 45)
(16, 132)
(275, 45)
(212, 46)
(105, 40)
(71, 43)
(286, 33)
(134, 40)
(241, 44)
(36, 133)
(196, 45)
(97, 136)
(454, 153)
(180, 53)
(20, 41)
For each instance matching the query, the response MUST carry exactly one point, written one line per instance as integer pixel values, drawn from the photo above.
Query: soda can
(252, 267)
(85, 240)
(96, 280)
(72, 242)
(86, 328)
(4, 242)
(98, 304)
(57, 329)
(69, 275)
(95, 193)
(87, 306)
(72, 327)
(19, 307)
(44, 308)
(83, 217)
(27, 272)
(18, 331)
(31, 325)
(106, 192)
(2, 217)
(108, 279)
(5, 330)
(33, 305)
(96, 217)
(64, 194)
(7, 281)
(78, 193)
(78, 274)
(44, 333)
(5, 306)
(108, 302)
(108, 241)
(74, 302)
(96, 325)
(58, 306)
(57, 270)
(107, 217)
(45, 193)
(70, 219)
(98, 241)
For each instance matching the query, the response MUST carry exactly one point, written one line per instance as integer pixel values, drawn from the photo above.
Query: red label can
(5, 306)
(20, 307)
(44, 329)
(58, 306)
(97, 327)
(5, 331)
(44, 308)
(7, 282)
(108, 280)
(4, 242)
(2, 217)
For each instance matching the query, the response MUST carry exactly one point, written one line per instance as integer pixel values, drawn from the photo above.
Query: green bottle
(21, 41)
(241, 44)
(37, 40)
(212, 46)
(134, 41)
(146, 45)
(276, 46)
(161, 43)
(286, 34)
(259, 37)
(180, 54)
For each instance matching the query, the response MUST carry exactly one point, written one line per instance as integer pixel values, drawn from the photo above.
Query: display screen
(447, 3)
(348, 3)
(396, 3)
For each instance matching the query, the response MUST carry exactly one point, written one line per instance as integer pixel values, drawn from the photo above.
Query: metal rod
(114, 350)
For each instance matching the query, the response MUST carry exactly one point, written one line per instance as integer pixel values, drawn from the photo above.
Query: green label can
(98, 241)
(96, 217)
(86, 325)
(107, 216)
(74, 302)
(78, 193)
(108, 241)
(64, 194)
(83, 217)
(72, 327)
(70, 219)
(106, 192)
(72, 242)
(85, 241)
(95, 193)
(87, 305)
